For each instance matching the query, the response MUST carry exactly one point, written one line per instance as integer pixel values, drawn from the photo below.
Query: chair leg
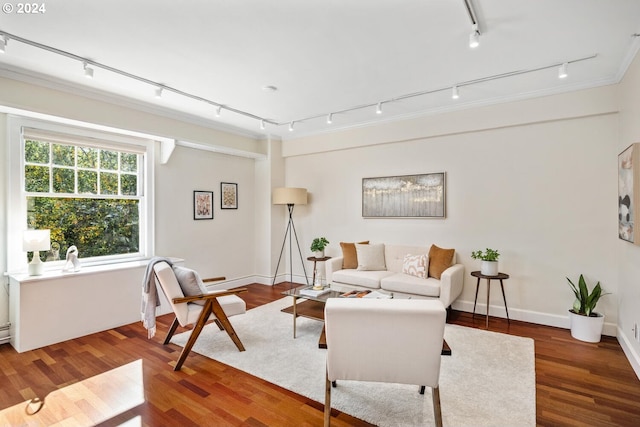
(224, 321)
(172, 330)
(197, 328)
(422, 389)
(437, 410)
(327, 402)
(219, 324)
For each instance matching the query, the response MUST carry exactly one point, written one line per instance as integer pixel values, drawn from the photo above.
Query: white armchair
(384, 340)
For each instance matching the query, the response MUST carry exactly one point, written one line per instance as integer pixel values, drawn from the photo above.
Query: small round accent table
(500, 277)
(315, 260)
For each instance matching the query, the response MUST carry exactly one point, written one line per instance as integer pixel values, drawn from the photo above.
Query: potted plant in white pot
(489, 258)
(586, 324)
(318, 245)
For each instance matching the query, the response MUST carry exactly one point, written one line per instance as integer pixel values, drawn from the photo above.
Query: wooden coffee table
(313, 308)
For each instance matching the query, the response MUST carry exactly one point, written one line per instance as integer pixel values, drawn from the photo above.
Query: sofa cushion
(190, 282)
(370, 257)
(365, 279)
(416, 265)
(406, 283)
(439, 260)
(349, 254)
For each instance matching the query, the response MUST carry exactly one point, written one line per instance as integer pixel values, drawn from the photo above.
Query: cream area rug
(488, 381)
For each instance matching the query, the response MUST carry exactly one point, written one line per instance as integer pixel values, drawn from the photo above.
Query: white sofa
(393, 280)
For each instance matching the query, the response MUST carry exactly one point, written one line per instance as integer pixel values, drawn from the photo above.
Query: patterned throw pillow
(415, 265)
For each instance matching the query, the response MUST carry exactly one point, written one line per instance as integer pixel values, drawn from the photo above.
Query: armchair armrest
(331, 265)
(451, 282)
(214, 279)
(211, 295)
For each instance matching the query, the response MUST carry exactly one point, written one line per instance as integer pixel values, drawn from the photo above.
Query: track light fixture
(89, 64)
(159, 92)
(562, 71)
(262, 124)
(454, 93)
(88, 71)
(474, 37)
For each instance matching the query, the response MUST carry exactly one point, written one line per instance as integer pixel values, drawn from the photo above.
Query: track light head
(379, 108)
(454, 93)
(88, 71)
(562, 71)
(474, 37)
(159, 92)
(330, 118)
(291, 126)
(218, 110)
(3, 43)
(262, 124)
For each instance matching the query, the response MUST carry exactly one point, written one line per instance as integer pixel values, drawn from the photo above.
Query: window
(90, 192)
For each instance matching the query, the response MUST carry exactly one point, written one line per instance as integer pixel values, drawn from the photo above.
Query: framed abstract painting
(407, 196)
(629, 194)
(203, 205)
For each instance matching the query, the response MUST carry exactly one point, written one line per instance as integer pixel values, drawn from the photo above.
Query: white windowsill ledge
(85, 270)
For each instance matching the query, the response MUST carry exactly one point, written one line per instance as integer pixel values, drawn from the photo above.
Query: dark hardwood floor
(578, 384)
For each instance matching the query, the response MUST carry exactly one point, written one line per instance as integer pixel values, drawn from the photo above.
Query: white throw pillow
(371, 257)
(416, 265)
(190, 282)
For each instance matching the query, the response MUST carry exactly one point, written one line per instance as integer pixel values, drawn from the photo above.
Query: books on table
(366, 294)
(310, 292)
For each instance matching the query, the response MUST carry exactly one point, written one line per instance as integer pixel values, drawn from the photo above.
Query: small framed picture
(203, 205)
(228, 195)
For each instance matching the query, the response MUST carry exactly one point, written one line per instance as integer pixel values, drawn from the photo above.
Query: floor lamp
(290, 196)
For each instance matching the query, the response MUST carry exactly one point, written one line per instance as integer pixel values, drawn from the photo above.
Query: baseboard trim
(629, 351)
(558, 321)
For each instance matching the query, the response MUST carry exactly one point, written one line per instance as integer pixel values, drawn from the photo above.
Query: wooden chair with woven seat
(198, 309)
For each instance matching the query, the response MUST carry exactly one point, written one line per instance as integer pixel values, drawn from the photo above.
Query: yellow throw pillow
(349, 255)
(439, 260)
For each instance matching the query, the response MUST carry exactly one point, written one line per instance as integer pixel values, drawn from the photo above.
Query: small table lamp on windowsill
(35, 241)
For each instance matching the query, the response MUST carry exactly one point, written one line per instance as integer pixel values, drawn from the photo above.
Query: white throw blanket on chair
(150, 299)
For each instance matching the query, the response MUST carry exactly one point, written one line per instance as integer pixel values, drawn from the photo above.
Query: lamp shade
(289, 196)
(36, 240)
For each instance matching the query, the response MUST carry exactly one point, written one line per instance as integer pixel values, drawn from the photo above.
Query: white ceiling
(323, 56)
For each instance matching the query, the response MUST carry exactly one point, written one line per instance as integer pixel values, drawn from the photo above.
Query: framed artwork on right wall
(629, 194)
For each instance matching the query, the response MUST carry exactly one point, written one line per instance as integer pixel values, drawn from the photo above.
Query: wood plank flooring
(578, 384)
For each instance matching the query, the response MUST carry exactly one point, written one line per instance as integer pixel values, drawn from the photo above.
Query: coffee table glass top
(295, 292)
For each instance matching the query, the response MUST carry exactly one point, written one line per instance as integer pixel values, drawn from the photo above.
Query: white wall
(543, 192)
(628, 254)
(223, 246)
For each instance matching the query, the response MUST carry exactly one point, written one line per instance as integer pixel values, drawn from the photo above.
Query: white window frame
(17, 197)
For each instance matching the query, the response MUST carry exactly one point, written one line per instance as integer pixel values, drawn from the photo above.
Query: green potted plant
(489, 258)
(318, 245)
(586, 324)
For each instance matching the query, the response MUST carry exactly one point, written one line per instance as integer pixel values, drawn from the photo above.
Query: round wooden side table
(500, 277)
(315, 260)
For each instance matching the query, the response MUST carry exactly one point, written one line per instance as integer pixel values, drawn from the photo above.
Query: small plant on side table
(318, 245)
(488, 255)
(489, 260)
